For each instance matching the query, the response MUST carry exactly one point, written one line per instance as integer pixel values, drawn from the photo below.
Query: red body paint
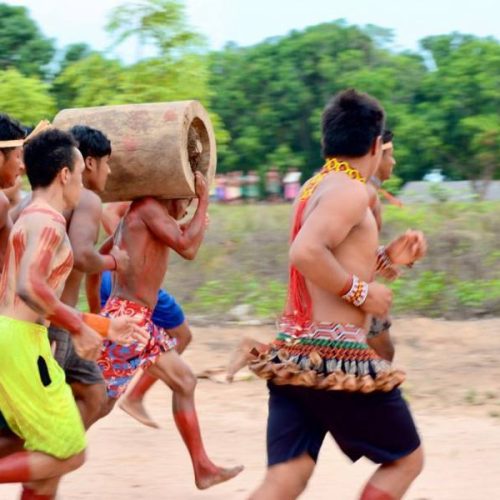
(15, 468)
(373, 493)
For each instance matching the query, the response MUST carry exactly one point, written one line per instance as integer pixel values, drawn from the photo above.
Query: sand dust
(453, 386)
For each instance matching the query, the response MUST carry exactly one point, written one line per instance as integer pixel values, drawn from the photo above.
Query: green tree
(22, 44)
(272, 95)
(92, 81)
(63, 91)
(26, 98)
(160, 24)
(460, 102)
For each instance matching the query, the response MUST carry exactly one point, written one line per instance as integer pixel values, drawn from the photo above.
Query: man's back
(148, 254)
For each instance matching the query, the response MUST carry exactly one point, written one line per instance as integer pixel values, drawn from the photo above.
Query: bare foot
(242, 355)
(216, 476)
(136, 409)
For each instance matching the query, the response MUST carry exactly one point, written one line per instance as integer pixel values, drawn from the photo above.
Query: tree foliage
(26, 98)
(22, 44)
(266, 100)
(439, 102)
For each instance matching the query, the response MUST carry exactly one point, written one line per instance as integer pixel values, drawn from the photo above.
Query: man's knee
(184, 381)
(286, 481)
(413, 464)
(93, 398)
(74, 462)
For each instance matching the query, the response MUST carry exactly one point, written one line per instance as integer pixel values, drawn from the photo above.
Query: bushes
(244, 261)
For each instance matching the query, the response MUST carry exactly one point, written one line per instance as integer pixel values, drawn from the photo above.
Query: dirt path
(453, 386)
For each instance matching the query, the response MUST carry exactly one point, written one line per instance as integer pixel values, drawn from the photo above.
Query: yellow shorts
(35, 400)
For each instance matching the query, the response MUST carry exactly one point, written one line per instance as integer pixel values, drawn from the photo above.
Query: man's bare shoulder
(39, 222)
(338, 189)
(89, 199)
(146, 206)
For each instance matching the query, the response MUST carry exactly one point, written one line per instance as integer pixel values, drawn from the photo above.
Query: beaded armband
(357, 292)
(383, 260)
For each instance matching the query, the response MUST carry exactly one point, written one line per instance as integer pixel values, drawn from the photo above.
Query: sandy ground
(453, 386)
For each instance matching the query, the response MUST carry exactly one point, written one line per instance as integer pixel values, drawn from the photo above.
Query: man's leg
(84, 376)
(90, 399)
(27, 466)
(41, 490)
(242, 355)
(285, 481)
(391, 481)
(172, 370)
(133, 401)
(294, 438)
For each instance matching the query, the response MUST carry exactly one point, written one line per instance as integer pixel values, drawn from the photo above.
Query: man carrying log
(167, 315)
(148, 232)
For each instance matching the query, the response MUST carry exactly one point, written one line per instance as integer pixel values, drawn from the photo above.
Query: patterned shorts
(119, 363)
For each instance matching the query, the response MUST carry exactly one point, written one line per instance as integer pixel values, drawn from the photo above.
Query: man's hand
(121, 257)
(200, 184)
(407, 248)
(379, 300)
(88, 343)
(125, 331)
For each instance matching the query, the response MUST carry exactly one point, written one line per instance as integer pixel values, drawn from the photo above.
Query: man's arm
(43, 239)
(5, 220)
(111, 215)
(83, 233)
(93, 281)
(16, 211)
(186, 239)
(335, 215)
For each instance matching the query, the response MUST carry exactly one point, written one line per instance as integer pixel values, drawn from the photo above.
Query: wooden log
(156, 147)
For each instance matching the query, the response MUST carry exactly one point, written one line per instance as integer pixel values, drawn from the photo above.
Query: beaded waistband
(325, 356)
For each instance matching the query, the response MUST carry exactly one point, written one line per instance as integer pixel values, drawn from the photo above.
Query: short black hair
(10, 130)
(91, 142)
(351, 123)
(387, 136)
(46, 154)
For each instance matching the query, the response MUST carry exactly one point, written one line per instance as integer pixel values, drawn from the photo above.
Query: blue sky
(250, 21)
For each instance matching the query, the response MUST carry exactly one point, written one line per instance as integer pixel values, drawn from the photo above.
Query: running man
(35, 401)
(322, 376)
(167, 315)
(150, 227)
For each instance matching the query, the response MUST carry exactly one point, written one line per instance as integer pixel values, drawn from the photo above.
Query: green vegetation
(266, 103)
(244, 261)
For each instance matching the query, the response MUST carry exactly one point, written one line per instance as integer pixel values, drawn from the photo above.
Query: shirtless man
(150, 228)
(84, 375)
(11, 165)
(35, 401)
(323, 377)
(83, 223)
(167, 315)
(379, 337)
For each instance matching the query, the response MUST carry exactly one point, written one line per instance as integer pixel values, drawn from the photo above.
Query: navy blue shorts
(378, 425)
(167, 313)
